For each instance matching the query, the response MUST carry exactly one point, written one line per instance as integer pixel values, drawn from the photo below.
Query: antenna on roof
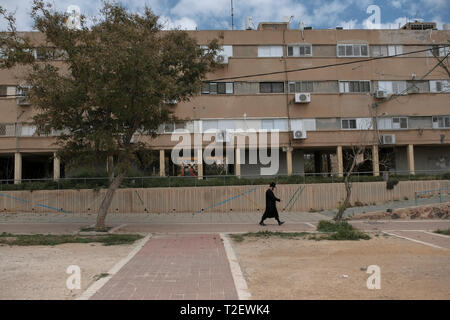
(232, 16)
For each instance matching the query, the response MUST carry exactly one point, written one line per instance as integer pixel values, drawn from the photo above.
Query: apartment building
(313, 86)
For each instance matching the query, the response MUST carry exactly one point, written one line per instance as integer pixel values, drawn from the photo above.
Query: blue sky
(216, 14)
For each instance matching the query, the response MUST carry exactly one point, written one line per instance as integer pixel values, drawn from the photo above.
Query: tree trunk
(106, 203)
(346, 203)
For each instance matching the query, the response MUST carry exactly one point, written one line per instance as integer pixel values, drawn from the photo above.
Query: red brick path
(174, 267)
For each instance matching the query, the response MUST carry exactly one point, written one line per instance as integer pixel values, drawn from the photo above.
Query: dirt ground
(282, 269)
(39, 272)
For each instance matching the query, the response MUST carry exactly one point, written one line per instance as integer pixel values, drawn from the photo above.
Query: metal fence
(432, 196)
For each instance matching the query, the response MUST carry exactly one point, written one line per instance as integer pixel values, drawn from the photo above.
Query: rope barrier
(227, 200)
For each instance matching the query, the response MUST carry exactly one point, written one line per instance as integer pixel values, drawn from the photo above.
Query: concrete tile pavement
(180, 267)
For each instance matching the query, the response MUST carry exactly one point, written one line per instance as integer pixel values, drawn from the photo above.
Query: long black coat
(271, 206)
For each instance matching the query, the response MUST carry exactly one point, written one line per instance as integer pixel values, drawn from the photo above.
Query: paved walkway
(181, 267)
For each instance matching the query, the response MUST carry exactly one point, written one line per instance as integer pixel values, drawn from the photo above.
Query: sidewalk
(174, 267)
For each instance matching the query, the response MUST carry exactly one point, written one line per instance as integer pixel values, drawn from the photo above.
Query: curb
(239, 280)
(97, 285)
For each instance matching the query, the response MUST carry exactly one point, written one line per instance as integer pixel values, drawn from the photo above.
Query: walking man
(271, 206)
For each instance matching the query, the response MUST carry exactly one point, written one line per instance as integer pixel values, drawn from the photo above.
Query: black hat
(272, 184)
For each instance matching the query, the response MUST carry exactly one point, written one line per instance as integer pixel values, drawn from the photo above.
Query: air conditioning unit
(302, 97)
(221, 58)
(299, 134)
(381, 94)
(22, 101)
(388, 139)
(222, 136)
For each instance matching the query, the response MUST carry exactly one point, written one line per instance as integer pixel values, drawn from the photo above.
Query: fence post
(440, 195)
(415, 198)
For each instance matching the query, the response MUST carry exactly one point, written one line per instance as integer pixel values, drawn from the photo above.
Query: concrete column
(162, 163)
(340, 161)
(289, 160)
(375, 161)
(237, 162)
(200, 163)
(56, 167)
(17, 168)
(410, 155)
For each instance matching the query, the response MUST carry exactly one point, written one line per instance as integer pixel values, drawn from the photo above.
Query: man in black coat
(271, 206)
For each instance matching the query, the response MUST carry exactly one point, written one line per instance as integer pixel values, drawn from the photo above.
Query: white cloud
(183, 23)
(350, 24)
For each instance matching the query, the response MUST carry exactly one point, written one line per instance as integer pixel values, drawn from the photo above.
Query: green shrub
(330, 226)
(340, 231)
(391, 183)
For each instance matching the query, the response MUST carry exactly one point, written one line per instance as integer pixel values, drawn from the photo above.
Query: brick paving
(179, 267)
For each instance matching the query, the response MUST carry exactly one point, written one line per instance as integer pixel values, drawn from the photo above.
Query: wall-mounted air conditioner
(23, 101)
(388, 139)
(302, 97)
(221, 58)
(299, 134)
(381, 94)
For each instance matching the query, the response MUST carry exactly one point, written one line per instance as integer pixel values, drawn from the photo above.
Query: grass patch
(339, 231)
(267, 234)
(445, 232)
(53, 240)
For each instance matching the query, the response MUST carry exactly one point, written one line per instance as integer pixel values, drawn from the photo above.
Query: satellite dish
(74, 19)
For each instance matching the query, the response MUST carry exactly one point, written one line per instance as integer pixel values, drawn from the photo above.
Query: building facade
(325, 91)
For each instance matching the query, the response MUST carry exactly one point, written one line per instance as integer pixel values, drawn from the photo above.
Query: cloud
(183, 23)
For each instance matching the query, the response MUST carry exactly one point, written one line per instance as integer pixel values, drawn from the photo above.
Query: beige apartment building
(398, 104)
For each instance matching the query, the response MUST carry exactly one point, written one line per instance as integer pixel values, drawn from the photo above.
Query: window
(393, 87)
(300, 86)
(441, 122)
(271, 87)
(348, 123)
(352, 50)
(354, 86)
(210, 125)
(274, 124)
(43, 53)
(383, 51)
(172, 126)
(270, 51)
(393, 123)
(439, 50)
(399, 123)
(217, 88)
(28, 130)
(299, 50)
(394, 50)
(440, 86)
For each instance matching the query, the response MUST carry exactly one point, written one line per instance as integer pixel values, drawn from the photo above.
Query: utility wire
(328, 65)
(312, 68)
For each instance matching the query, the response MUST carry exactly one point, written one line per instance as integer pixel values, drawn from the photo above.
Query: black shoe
(262, 224)
(280, 223)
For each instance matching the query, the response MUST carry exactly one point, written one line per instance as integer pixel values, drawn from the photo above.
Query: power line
(327, 65)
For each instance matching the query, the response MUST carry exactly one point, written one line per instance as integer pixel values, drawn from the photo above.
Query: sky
(216, 14)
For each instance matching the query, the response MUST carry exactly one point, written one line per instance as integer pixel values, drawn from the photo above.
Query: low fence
(217, 180)
(248, 198)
